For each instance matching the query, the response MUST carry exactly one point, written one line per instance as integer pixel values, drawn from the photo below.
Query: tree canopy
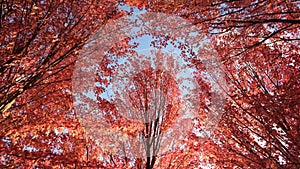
(157, 109)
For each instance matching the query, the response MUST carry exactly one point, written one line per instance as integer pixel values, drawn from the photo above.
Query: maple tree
(39, 42)
(264, 109)
(141, 118)
(259, 44)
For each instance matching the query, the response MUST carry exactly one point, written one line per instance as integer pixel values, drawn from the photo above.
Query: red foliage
(256, 41)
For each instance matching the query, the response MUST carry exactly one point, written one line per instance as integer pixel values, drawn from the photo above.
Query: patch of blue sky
(57, 150)
(128, 9)
(63, 131)
(29, 148)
